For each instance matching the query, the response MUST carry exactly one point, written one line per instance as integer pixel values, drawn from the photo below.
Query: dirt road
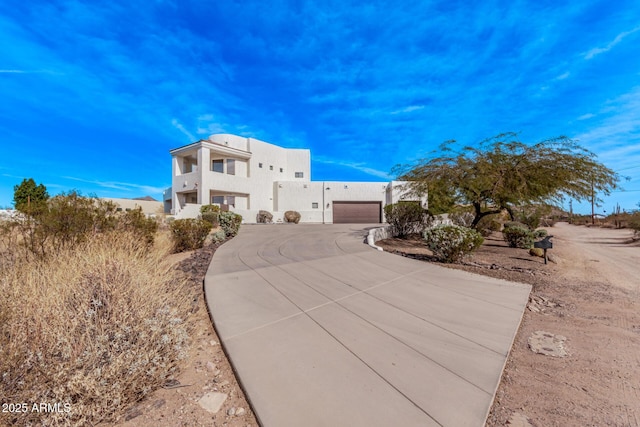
(593, 296)
(599, 254)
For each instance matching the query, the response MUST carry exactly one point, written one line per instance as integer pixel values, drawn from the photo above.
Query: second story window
(271, 167)
(299, 175)
(217, 165)
(281, 170)
(231, 166)
(190, 165)
(260, 165)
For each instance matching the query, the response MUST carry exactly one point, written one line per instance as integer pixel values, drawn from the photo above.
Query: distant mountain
(147, 198)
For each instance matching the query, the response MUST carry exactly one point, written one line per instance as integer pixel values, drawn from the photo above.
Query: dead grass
(93, 329)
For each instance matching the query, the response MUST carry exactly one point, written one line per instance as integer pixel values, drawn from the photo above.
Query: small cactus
(536, 252)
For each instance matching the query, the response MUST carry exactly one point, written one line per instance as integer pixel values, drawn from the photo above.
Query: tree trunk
(510, 211)
(479, 214)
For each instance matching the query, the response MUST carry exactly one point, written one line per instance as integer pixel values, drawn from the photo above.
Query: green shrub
(450, 243)
(510, 224)
(230, 223)
(139, 225)
(209, 208)
(69, 219)
(518, 237)
(531, 215)
(462, 217)
(211, 214)
(495, 225)
(219, 236)
(540, 233)
(634, 222)
(188, 234)
(211, 217)
(407, 218)
(488, 224)
(64, 221)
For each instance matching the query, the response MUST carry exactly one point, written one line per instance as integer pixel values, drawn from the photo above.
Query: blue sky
(94, 94)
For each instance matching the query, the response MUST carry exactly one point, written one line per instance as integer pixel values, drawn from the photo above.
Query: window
(260, 165)
(271, 167)
(217, 200)
(299, 174)
(231, 166)
(281, 170)
(217, 165)
(231, 201)
(190, 165)
(314, 205)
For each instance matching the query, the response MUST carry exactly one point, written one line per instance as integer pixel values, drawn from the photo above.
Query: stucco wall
(398, 190)
(300, 196)
(149, 207)
(265, 180)
(233, 141)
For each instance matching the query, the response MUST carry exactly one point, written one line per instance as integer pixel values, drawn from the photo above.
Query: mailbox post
(544, 244)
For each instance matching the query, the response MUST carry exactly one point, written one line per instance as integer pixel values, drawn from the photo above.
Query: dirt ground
(591, 296)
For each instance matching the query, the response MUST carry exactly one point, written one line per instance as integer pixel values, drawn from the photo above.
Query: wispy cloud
(563, 75)
(176, 124)
(586, 116)
(598, 50)
(408, 109)
(616, 136)
(9, 71)
(8, 175)
(123, 186)
(361, 167)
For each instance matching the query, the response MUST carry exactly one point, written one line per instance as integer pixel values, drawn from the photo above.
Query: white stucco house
(248, 175)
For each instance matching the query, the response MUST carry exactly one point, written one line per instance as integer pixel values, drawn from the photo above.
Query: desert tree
(29, 197)
(502, 173)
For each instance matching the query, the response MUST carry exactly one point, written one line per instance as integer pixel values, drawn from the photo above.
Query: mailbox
(544, 244)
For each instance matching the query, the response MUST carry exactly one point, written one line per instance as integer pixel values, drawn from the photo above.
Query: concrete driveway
(323, 330)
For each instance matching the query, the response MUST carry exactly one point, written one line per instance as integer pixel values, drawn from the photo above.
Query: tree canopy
(502, 172)
(28, 197)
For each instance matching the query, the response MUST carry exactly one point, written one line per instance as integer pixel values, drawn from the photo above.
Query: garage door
(356, 212)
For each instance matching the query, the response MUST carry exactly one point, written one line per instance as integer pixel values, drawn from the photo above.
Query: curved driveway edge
(324, 331)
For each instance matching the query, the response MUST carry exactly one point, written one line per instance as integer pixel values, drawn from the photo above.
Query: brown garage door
(356, 212)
